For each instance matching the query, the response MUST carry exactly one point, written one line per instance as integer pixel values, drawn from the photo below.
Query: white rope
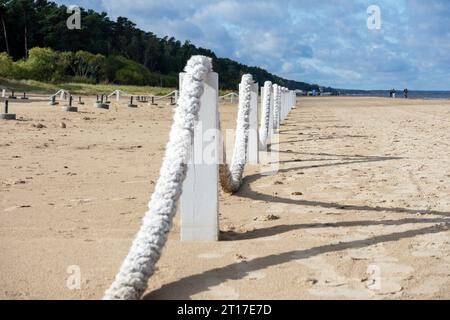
(232, 94)
(173, 93)
(277, 106)
(231, 178)
(61, 91)
(115, 92)
(265, 116)
(139, 265)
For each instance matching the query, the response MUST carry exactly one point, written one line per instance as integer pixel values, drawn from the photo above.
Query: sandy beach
(360, 208)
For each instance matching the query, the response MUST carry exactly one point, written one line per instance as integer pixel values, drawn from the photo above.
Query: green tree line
(36, 44)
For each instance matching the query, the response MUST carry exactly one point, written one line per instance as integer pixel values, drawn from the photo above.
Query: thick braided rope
(265, 116)
(131, 281)
(231, 178)
(277, 106)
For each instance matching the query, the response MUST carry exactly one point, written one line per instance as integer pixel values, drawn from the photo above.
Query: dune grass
(78, 88)
(83, 88)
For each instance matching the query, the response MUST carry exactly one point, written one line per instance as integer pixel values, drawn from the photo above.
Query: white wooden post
(286, 103)
(277, 94)
(293, 97)
(117, 95)
(291, 101)
(261, 98)
(253, 138)
(272, 107)
(200, 198)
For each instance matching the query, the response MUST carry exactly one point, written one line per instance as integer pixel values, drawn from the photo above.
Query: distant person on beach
(406, 91)
(393, 93)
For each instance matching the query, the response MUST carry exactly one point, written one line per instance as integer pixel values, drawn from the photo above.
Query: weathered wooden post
(253, 138)
(286, 103)
(53, 101)
(70, 107)
(100, 104)
(200, 199)
(277, 107)
(6, 115)
(12, 96)
(131, 104)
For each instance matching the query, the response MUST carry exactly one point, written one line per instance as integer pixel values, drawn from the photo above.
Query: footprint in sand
(243, 268)
(327, 282)
(222, 292)
(391, 276)
(431, 286)
(430, 245)
(277, 209)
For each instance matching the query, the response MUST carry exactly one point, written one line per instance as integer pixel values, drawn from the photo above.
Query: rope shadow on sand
(332, 205)
(186, 287)
(280, 229)
(253, 178)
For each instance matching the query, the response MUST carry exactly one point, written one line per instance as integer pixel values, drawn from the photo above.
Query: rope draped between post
(139, 265)
(231, 177)
(265, 116)
(277, 106)
(61, 92)
(173, 93)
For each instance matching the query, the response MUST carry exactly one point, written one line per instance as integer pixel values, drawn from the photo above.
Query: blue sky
(323, 41)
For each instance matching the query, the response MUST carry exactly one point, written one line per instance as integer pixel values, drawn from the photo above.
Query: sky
(340, 43)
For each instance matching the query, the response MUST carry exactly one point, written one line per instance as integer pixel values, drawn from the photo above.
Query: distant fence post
(200, 198)
(287, 104)
(277, 107)
(293, 99)
(294, 95)
(253, 138)
(272, 111)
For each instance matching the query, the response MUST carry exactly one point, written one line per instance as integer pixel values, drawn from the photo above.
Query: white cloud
(326, 41)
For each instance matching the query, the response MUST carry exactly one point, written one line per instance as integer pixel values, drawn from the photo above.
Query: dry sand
(359, 209)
